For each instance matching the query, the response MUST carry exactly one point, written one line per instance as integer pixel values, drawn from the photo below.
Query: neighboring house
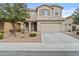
(69, 24)
(44, 18)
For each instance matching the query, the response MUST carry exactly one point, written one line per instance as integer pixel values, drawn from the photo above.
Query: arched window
(45, 12)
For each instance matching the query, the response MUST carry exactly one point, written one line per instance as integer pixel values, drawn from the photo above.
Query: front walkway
(50, 42)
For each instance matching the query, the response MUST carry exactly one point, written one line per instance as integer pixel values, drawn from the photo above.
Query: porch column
(21, 26)
(29, 26)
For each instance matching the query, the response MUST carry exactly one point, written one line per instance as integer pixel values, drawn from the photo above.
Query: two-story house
(45, 18)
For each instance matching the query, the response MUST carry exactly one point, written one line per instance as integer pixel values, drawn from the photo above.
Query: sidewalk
(39, 46)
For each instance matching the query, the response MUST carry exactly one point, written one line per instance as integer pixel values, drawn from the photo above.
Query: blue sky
(68, 7)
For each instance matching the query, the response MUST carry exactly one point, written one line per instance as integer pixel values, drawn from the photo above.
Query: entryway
(31, 26)
(73, 28)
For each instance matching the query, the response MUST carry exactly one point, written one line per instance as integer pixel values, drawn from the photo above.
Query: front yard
(22, 38)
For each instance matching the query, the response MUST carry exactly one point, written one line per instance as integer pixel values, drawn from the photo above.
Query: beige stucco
(8, 26)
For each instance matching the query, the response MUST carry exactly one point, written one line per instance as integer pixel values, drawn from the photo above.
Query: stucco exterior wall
(63, 26)
(7, 27)
(32, 17)
(38, 26)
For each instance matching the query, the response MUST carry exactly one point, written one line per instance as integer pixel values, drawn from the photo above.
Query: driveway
(62, 40)
(57, 37)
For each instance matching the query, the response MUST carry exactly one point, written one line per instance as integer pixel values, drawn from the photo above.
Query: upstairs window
(52, 12)
(56, 12)
(45, 12)
(33, 13)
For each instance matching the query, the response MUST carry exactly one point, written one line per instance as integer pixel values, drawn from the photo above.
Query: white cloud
(68, 12)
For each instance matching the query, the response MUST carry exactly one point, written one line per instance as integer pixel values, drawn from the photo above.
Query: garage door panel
(50, 27)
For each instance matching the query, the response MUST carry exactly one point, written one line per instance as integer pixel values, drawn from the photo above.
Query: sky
(67, 11)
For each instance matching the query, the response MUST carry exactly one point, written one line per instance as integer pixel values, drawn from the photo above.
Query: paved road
(39, 53)
(50, 42)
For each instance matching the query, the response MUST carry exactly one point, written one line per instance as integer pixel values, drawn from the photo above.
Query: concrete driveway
(57, 37)
(68, 43)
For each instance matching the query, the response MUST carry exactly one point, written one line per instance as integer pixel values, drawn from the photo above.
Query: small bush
(1, 35)
(33, 34)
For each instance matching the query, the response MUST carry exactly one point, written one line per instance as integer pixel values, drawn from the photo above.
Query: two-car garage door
(50, 27)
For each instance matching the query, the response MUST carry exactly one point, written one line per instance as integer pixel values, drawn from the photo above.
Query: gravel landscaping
(20, 38)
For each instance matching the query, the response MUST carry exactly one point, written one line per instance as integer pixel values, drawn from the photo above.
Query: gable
(44, 6)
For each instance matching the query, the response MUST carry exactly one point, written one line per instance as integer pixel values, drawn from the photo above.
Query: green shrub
(33, 34)
(1, 35)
